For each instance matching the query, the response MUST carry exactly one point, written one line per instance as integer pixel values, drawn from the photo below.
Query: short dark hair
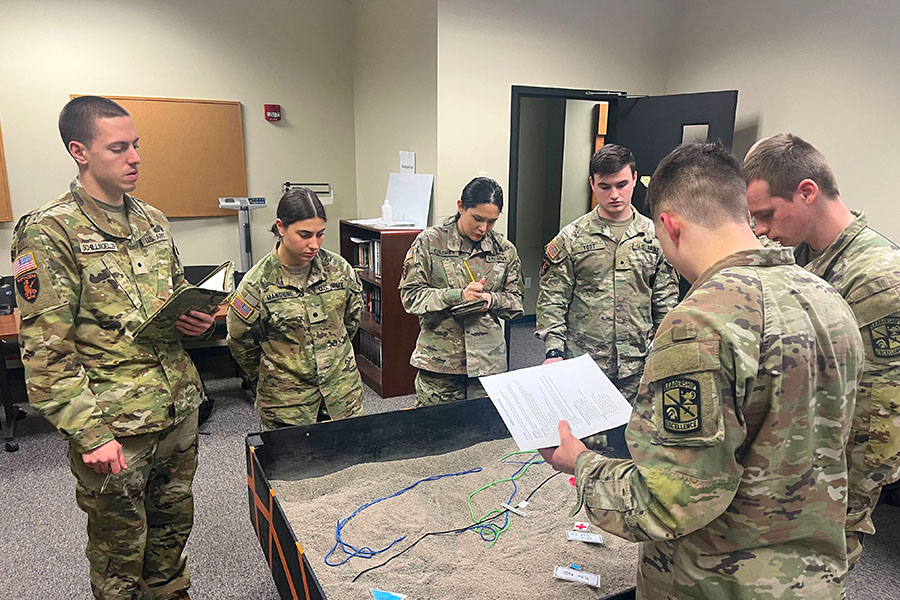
(611, 159)
(701, 182)
(482, 190)
(783, 161)
(298, 204)
(76, 119)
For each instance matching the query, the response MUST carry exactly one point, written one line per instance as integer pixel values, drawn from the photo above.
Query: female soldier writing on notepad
(461, 278)
(292, 319)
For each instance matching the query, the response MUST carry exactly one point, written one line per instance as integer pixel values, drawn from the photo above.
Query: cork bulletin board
(192, 152)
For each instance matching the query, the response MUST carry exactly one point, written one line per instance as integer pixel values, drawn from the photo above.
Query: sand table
(460, 566)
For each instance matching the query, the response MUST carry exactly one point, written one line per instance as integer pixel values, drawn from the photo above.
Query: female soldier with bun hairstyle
(292, 319)
(461, 278)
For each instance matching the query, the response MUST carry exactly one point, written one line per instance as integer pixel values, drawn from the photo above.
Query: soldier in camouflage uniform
(292, 321)
(793, 195)
(89, 267)
(605, 284)
(461, 278)
(737, 484)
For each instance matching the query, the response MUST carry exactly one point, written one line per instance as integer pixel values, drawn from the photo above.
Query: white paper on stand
(532, 401)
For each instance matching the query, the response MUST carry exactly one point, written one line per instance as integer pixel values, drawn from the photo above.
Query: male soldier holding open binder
(89, 267)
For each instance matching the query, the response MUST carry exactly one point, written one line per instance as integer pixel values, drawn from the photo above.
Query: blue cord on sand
(366, 552)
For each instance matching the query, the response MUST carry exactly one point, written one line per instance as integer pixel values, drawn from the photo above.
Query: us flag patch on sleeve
(241, 307)
(553, 249)
(23, 264)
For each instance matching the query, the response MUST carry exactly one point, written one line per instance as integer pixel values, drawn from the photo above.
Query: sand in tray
(456, 566)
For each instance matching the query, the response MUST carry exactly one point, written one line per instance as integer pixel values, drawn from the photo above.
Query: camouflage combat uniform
(738, 484)
(605, 297)
(864, 267)
(84, 283)
(453, 350)
(298, 340)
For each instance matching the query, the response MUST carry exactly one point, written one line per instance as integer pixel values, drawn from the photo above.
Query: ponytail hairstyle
(481, 190)
(298, 204)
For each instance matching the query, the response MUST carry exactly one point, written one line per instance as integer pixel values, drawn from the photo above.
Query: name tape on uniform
(584, 577)
(584, 536)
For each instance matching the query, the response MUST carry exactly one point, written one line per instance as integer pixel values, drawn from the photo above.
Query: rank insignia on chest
(885, 335)
(681, 405)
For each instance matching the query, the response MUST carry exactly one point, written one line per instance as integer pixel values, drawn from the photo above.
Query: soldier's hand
(195, 323)
(552, 360)
(490, 299)
(106, 458)
(562, 458)
(473, 291)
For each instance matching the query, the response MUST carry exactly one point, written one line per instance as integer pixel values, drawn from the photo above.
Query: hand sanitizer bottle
(387, 215)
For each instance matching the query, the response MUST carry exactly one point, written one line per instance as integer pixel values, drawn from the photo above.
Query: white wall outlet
(528, 283)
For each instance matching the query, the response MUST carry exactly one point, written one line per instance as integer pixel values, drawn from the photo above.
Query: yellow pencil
(469, 270)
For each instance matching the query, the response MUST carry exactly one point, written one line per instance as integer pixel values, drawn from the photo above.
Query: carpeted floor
(42, 539)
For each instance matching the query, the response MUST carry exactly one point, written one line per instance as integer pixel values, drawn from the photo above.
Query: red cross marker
(580, 526)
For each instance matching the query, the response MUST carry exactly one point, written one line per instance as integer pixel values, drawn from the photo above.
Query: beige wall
(486, 46)
(576, 191)
(295, 53)
(827, 70)
(394, 93)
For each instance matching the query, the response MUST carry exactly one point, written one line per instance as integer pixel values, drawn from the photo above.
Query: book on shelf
(372, 300)
(370, 347)
(368, 254)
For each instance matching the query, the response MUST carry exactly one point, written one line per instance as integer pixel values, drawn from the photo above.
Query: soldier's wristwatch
(555, 354)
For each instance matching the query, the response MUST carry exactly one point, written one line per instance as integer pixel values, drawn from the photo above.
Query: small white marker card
(576, 576)
(532, 401)
(583, 536)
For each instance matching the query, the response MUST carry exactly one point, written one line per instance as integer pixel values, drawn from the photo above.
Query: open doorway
(554, 132)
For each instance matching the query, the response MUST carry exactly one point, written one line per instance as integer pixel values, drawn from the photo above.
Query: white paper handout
(532, 401)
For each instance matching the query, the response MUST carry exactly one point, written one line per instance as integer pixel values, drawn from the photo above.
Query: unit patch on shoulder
(23, 264)
(545, 266)
(681, 405)
(28, 285)
(241, 307)
(885, 335)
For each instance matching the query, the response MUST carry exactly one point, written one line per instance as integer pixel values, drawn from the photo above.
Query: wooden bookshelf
(390, 327)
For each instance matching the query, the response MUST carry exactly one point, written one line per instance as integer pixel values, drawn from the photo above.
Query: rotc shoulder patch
(681, 405)
(545, 265)
(885, 336)
(241, 307)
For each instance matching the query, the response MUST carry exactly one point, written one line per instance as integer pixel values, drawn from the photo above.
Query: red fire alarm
(273, 112)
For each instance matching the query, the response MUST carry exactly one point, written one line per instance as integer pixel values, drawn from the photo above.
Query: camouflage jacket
(83, 285)
(602, 297)
(737, 482)
(432, 282)
(298, 342)
(864, 267)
